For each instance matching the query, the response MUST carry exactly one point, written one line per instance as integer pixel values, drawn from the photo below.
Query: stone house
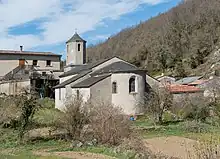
(183, 92)
(163, 79)
(19, 69)
(111, 80)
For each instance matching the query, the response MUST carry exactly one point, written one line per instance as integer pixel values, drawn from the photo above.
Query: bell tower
(76, 50)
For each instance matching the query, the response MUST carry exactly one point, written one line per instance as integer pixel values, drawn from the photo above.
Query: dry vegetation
(93, 125)
(178, 42)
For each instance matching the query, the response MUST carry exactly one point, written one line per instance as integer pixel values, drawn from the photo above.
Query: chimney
(21, 48)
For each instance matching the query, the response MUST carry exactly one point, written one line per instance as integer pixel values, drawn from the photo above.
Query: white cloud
(60, 18)
(99, 37)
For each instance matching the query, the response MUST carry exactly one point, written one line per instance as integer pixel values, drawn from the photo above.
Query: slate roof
(165, 77)
(19, 73)
(90, 81)
(183, 89)
(75, 70)
(71, 80)
(75, 38)
(188, 80)
(12, 52)
(117, 67)
(86, 67)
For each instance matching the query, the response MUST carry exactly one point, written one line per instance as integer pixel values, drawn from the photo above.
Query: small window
(78, 47)
(34, 62)
(114, 87)
(77, 94)
(48, 63)
(68, 48)
(60, 94)
(44, 73)
(132, 85)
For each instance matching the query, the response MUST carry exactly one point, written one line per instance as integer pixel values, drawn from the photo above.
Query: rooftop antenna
(76, 30)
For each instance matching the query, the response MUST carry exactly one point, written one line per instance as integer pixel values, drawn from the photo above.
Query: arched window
(78, 47)
(132, 85)
(114, 87)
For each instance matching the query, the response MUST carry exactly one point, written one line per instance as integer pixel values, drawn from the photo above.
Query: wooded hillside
(176, 42)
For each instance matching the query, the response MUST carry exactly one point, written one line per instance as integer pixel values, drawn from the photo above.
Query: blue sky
(42, 25)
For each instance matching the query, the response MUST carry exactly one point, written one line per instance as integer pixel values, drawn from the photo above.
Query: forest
(179, 42)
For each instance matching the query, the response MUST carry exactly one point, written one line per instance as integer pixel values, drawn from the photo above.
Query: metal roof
(75, 38)
(12, 52)
(90, 81)
(188, 80)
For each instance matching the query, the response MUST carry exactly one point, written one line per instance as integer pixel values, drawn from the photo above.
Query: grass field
(200, 131)
(10, 149)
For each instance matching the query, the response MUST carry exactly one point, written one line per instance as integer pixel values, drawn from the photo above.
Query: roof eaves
(191, 91)
(69, 81)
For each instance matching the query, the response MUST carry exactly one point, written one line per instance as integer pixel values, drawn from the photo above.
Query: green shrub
(47, 103)
(180, 114)
(195, 127)
(46, 117)
(145, 121)
(214, 121)
(197, 112)
(168, 116)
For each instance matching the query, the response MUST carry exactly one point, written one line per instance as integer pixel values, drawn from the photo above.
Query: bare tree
(29, 105)
(191, 26)
(212, 92)
(75, 117)
(157, 101)
(109, 124)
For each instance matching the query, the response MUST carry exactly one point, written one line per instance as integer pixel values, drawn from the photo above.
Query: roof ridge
(75, 38)
(29, 52)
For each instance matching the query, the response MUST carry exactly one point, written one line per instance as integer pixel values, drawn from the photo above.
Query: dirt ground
(174, 146)
(73, 155)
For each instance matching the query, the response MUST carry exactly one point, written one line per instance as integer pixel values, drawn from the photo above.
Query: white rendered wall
(101, 91)
(128, 101)
(60, 98)
(84, 92)
(14, 87)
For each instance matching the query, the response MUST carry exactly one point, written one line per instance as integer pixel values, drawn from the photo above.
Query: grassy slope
(194, 25)
(9, 149)
(149, 130)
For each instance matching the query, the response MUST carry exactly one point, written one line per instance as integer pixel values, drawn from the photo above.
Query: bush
(135, 148)
(74, 118)
(195, 127)
(206, 150)
(108, 124)
(195, 108)
(47, 103)
(47, 117)
(9, 112)
(168, 116)
(100, 121)
(214, 121)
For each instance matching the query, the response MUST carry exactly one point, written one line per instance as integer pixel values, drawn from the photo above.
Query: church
(111, 80)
